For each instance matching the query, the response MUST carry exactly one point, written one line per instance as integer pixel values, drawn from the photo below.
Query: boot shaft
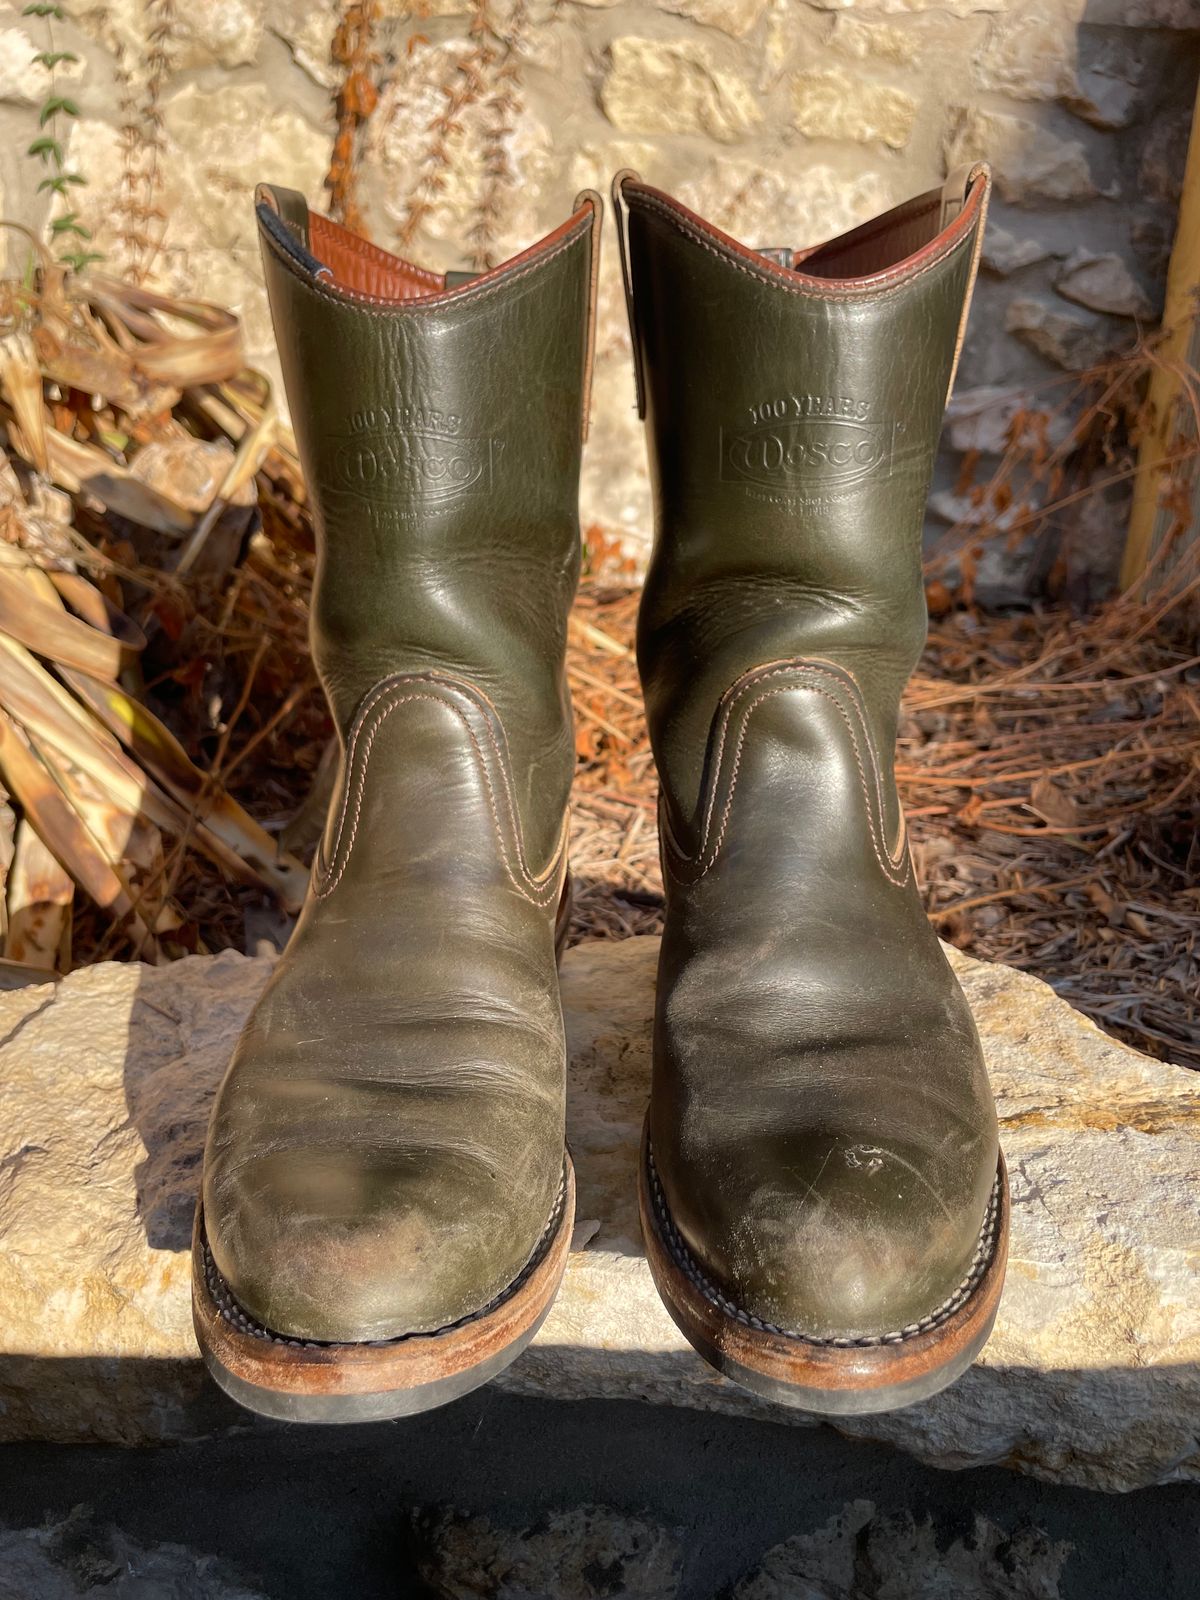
(793, 403)
(439, 422)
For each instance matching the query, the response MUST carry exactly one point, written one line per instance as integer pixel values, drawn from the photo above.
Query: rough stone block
(1092, 1376)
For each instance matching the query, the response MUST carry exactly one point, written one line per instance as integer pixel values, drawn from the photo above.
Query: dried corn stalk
(40, 894)
(119, 407)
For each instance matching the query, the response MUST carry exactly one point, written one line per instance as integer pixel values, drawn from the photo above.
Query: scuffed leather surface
(820, 1117)
(387, 1146)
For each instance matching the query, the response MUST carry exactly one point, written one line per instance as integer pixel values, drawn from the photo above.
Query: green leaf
(77, 260)
(43, 10)
(48, 149)
(58, 183)
(69, 223)
(53, 105)
(54, 58)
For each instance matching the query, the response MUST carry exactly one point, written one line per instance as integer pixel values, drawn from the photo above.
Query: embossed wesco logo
(807, 441)
(415, 465)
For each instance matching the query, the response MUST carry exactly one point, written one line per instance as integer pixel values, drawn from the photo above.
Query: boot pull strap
(780, 255)
(621, 213)
(283, 214)
(960, 183)
(290, 206)
(954, 192)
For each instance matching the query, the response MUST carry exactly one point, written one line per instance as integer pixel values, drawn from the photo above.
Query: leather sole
(299, 1380)
(843, 1377)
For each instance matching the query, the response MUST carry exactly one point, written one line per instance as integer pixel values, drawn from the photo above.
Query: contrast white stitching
(896, 868)
(360, 722)
(538, 890)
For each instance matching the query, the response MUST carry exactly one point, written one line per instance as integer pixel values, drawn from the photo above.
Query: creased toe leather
(827, 1235)
(357, 1244)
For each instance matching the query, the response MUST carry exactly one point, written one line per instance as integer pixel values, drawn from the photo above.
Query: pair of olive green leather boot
(387, 1199)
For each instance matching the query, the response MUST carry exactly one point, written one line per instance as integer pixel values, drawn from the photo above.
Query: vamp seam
(896, 867)
(379, 705)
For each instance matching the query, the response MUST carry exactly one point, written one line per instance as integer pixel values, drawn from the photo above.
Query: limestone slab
(1092, 1376)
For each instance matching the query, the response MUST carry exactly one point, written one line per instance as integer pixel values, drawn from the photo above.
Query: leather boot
(823, 1198)
(387, 1202)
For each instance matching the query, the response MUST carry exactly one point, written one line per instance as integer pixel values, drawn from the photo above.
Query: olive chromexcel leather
(821, 1130)
(387, 1148)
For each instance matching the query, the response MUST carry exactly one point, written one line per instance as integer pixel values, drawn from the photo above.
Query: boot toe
(834, 1238)
(346, 1248)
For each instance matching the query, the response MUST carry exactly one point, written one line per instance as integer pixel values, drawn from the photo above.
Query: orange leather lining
(363, 268)
(878, 244)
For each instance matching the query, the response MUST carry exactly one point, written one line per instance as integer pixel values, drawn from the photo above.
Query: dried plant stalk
(38, 901)
(65, 834)
(91, 370)
(160, 753)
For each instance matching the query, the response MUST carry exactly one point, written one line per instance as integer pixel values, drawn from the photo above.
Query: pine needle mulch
(1050, 769)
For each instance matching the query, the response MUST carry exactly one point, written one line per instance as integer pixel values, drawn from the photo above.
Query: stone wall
(783, 120)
